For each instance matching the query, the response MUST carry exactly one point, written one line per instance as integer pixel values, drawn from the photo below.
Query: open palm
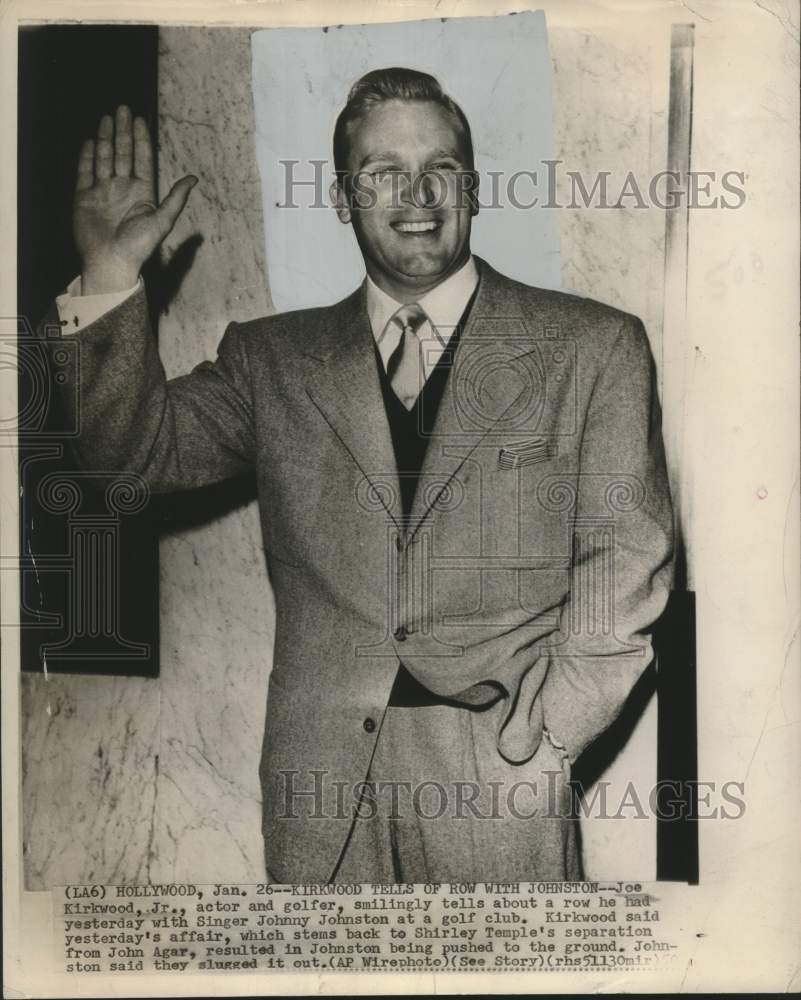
(116, 222)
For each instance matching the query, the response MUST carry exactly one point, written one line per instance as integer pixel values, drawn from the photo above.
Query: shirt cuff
(77, 311)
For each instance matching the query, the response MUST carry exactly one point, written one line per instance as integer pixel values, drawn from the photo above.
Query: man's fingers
(143, 152)
(123, 142)
(104, 156)
(172, 206)
(86, 166)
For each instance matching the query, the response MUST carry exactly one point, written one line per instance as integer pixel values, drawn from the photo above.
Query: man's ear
(339, 200)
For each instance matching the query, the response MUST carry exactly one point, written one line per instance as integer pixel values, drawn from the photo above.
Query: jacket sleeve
(622, 550)
(187, 432)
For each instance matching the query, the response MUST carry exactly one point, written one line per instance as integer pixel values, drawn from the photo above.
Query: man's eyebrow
(392, 156)
(446, 154)
(383, 155)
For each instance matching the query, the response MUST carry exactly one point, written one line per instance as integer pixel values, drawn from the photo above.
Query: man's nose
(419, 189)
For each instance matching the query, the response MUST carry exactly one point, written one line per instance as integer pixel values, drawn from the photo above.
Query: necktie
(405, 365)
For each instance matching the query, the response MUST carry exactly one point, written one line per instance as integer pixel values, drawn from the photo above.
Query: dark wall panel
(89, 556)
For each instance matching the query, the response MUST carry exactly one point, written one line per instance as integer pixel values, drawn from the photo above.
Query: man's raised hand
(116, 222)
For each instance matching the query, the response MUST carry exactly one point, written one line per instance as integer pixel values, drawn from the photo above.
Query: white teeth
(416, 227)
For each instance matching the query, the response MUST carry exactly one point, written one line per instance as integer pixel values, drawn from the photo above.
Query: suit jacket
(536, 556)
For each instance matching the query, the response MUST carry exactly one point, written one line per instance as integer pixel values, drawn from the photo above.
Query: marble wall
(129, 779)
(610, 99)
(216, 609)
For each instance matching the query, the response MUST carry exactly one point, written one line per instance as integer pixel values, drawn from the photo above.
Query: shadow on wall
(672, 676)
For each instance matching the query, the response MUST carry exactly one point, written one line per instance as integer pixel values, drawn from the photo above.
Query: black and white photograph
(400, 529)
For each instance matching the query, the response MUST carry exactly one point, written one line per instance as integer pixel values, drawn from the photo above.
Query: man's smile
(431, 226)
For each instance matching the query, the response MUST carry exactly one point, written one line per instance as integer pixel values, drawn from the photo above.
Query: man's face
(409, 171)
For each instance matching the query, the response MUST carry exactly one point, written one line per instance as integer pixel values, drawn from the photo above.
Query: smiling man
(463, 499)
(401, 151)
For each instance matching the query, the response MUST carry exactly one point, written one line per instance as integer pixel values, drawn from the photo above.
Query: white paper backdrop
(497, 69)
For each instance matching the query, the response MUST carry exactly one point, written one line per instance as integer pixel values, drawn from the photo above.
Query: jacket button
(401, 633)
(369, 725)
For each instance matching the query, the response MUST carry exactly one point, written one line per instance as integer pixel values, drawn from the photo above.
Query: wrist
(103, 277)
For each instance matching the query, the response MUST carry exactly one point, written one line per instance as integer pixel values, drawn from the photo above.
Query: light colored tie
(405, 365)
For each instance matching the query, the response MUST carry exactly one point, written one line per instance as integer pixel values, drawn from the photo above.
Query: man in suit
(463, 500)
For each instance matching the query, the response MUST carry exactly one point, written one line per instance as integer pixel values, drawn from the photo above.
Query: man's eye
(383, 172)
(439, 167)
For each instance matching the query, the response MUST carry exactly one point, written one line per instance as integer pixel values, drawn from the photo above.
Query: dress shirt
(443, 305)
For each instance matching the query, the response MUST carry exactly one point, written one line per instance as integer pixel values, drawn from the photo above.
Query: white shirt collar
(444, 306)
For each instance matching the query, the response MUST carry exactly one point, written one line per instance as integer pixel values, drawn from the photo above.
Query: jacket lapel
(482, 388)
(345, 388)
